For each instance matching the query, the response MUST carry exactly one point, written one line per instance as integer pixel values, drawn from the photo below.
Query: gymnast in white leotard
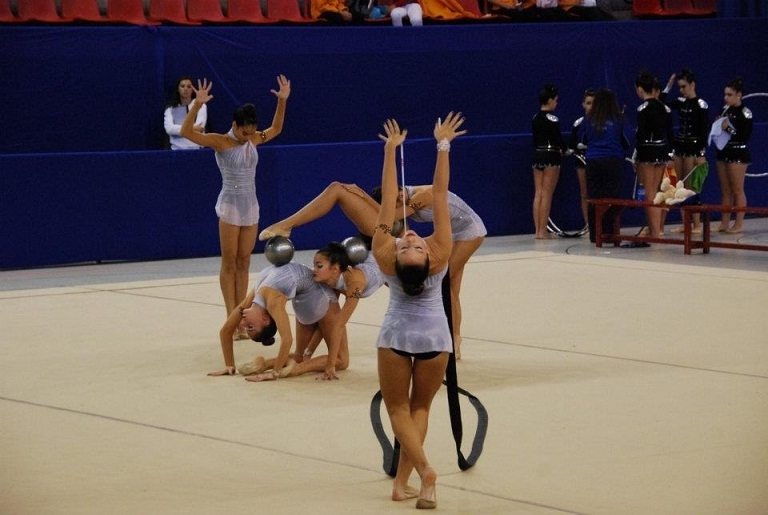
(362, 210)
(237, 206)
(414, 340)
(333, 267)
(262, 314)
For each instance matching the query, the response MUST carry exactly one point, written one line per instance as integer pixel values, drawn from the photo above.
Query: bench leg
(616, 226)
(599, 214)
(705, 231)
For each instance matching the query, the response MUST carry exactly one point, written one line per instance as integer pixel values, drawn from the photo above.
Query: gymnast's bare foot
(545, 236)
(735, 230)
(722, 228)
(266, 376)
(274, 230)
(427, 495)
(256, 366)
(400, 493)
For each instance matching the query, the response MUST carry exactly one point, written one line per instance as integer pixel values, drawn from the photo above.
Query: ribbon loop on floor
(391, 452)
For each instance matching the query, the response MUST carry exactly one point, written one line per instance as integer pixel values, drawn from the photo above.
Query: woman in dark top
(734, 158)
(690, 141)
(547, 157)
(603, 134)
(652, 143)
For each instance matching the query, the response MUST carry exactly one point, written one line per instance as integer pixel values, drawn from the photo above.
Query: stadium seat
(81, 10)
(286, 10)
(207, 11)
(660, 8)
(677, 7)
(705, 7)
(472, 6)
(6, 15)
(128, 11)
(39, 10)
(247, 11)
(646, 8)
(169, 11)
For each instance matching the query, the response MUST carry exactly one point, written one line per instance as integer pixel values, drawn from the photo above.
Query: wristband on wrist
(444, 145)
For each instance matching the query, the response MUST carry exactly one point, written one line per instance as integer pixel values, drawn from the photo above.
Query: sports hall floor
(617, 381)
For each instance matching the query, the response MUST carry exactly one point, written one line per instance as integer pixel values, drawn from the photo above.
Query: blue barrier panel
(82, 177)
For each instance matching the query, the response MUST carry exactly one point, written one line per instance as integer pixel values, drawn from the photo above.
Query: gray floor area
(89, 273)
(617, 381)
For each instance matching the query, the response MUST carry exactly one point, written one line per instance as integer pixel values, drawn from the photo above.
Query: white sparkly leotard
(309, 299)
(416, 324)
(465, 223)
(374, 279)
(237, 203)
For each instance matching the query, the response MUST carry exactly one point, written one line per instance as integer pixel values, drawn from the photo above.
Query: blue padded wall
(83, 176)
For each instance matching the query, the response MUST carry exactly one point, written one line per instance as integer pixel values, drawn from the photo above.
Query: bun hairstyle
(547, 93)
(245, 115)
(336, 254)
(656, 84)
(412, 277)
(646, 81)
(267, 335)
(687, 75)
(367, 240)
(376, 194)
(736, 84)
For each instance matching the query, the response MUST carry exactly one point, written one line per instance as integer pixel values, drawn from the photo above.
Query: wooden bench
(602, 205)
(706, 242)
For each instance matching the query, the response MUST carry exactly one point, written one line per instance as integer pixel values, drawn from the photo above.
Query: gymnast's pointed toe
(271, 232)
(256, 366)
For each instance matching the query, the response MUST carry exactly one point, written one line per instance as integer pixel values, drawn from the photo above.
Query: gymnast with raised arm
(414, 340)
(237, 206)
(362, 210)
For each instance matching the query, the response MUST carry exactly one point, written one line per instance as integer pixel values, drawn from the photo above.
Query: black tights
(603, 181)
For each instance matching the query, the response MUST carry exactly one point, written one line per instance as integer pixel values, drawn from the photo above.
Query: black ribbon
(391, 451)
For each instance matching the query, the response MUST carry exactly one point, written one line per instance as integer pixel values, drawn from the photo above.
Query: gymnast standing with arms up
(414, 340)
(237, 206)
(362, 209)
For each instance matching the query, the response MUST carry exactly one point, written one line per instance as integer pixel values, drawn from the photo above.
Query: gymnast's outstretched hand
(228, 371)
(448, 129)
(203, 91)
(394, 136)
(328, 375)
(285, 87)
